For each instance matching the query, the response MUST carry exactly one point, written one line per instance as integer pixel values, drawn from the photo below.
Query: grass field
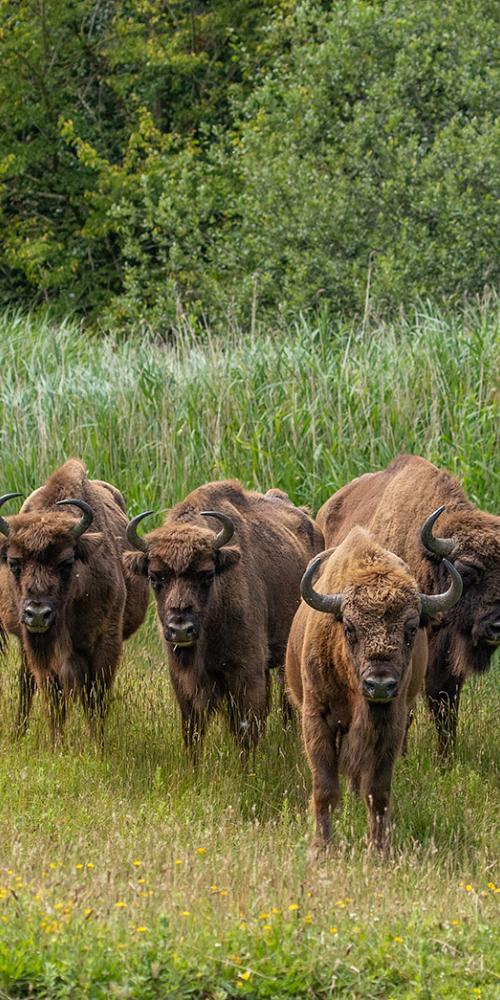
(130, 875)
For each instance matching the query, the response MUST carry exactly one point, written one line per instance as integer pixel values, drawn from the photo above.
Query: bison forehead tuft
(382, 595)
(37, 533)
(178, 546)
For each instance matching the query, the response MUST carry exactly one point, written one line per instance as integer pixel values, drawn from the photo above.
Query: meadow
(128, 874)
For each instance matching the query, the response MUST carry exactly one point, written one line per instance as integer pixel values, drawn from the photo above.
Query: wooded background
(217, 159)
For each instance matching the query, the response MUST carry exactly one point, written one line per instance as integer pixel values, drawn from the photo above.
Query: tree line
(242, 157)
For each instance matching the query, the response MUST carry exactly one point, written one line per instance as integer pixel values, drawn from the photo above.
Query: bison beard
(231, 598)
(355, 669)
(392, 504)
(65, 595)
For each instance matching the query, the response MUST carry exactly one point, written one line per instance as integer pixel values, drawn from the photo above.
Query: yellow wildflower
(120, 905)
(398, 939)
(141, 930)
(294, 906)
(201, 850)
(246, 975)
(333, 930)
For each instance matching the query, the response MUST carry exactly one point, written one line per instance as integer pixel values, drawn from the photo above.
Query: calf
(355, 669)
(65, 595)
(225, 609)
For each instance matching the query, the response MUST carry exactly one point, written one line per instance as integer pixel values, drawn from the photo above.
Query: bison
(65, 594)
(225, 609)
(391, 504)
(355, 669)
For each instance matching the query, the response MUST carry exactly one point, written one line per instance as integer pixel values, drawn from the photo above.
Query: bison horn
(4, 526)
(433, 604)
(441, 546)
(135, 540)
(329, 603)
(85, 521)
(224, 536)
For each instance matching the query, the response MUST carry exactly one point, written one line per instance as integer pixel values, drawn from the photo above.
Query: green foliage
(215, 159)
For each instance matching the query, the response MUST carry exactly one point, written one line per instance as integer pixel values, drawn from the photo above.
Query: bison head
(40, 550)
(474, 548)
(183, 561)
(380, 610)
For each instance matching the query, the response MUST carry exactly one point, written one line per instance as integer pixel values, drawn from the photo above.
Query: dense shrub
(220, 157)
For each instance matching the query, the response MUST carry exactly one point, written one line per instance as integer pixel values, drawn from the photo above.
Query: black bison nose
(37, 617)
(181, 633)
(379, 688)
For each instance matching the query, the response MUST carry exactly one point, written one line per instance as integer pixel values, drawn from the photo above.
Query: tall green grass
(130, 875)
(305, 408)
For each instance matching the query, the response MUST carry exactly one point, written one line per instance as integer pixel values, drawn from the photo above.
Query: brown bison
(64, 592)
(225, 609)
(355, 669)
(392, 505)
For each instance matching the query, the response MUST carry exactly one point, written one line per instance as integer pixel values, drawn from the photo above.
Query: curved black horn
(85, 521)
(441, 546)
(4, 527)
(224, 536)
(328, 603)
(135, 540)
(433, 604)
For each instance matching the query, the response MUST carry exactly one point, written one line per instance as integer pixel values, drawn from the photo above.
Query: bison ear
(88, 544)
(136, 563)
(227, 557)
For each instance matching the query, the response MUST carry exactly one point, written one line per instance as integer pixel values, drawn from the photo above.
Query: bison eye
(410, 633)
(66, 565)
(470, 574)
(157, 582)
(206, 579)
(15, 566)
(349, 632)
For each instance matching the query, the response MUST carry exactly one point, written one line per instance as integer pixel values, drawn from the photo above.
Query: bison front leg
(193, 728)
(95, 680)
(321, 750)
(55, 705)
(27, 688)
(376, 791)
(444, 702)
(249, 702)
